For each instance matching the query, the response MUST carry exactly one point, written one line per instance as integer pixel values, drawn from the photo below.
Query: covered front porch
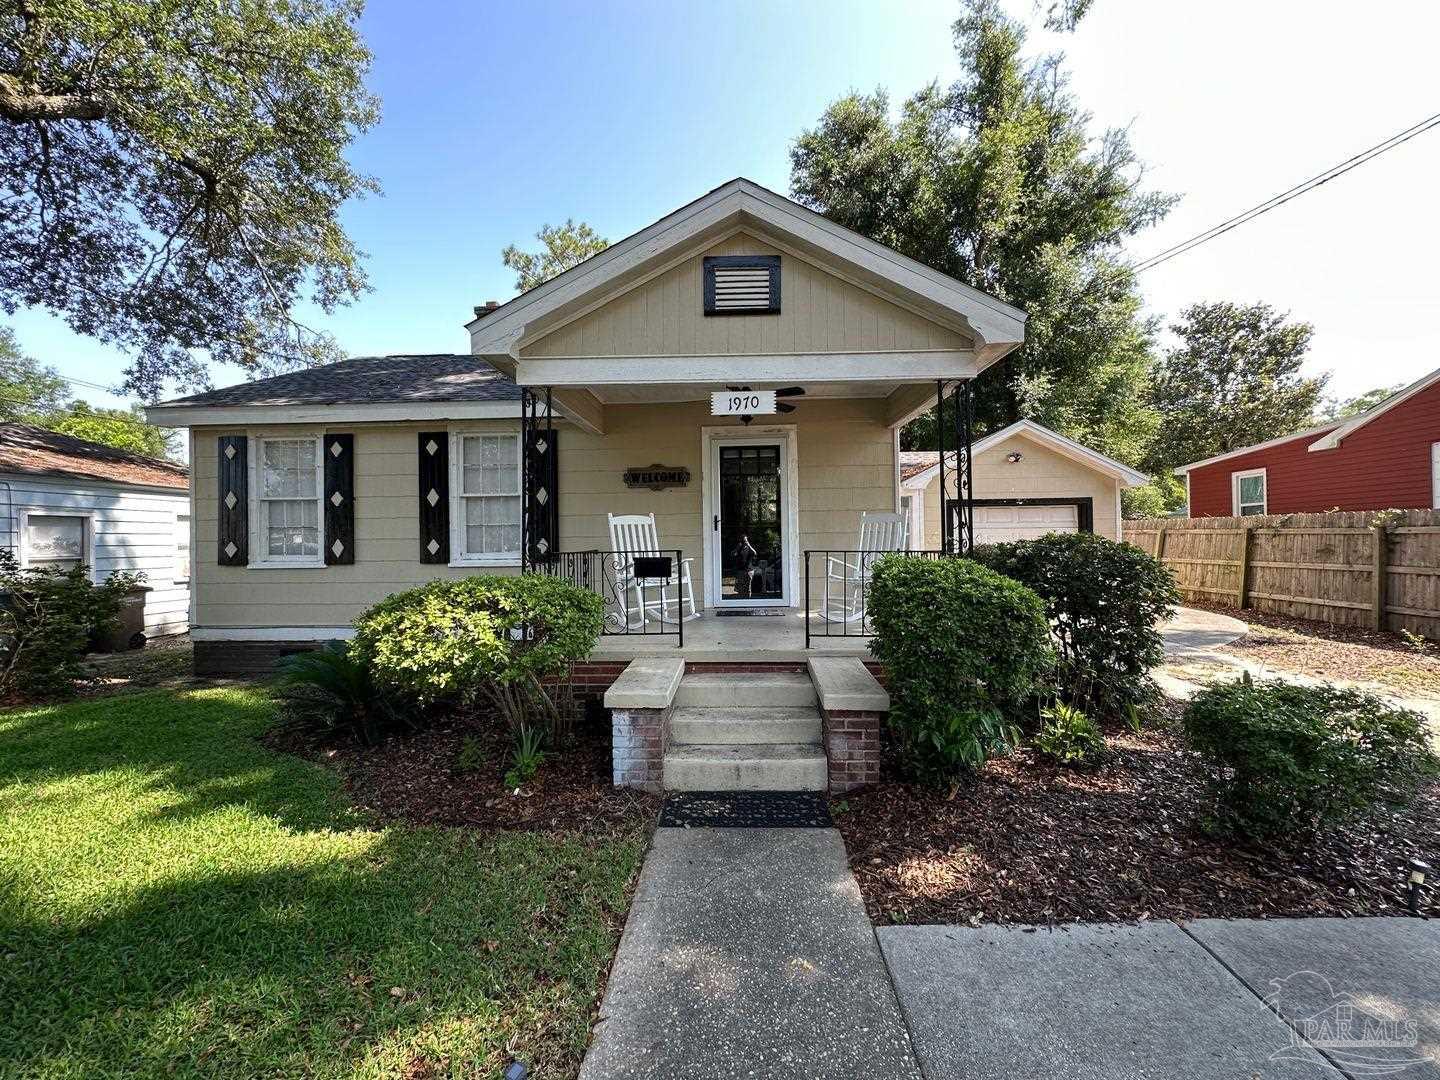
(715, 637)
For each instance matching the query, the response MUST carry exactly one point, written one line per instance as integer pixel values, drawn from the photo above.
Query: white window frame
(1435, 475)
(87, 518)
(176, 577)
(260, 557)
(1235, 478)
(915, 519)
(458, 556)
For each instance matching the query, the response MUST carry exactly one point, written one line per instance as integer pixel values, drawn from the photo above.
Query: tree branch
(20, 104)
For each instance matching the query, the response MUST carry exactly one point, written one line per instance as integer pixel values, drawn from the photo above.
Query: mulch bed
(415, 778)
(1335, 652)
(1027, 842)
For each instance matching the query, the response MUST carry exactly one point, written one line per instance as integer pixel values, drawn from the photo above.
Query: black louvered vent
(434, 489)
(742, 284)
(339, 499)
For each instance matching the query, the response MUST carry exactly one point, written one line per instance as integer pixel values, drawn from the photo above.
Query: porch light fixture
(1014, 457)
(1418, 870)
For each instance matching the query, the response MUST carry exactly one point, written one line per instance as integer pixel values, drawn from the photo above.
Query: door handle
(716, 525)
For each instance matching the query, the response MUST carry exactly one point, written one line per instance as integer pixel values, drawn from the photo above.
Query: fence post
(1242, 594)
(1160, 544)
(1378, 571)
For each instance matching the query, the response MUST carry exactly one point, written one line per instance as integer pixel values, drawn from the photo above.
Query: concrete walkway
(1210, 1000)
(748, 953)
(1191, 629)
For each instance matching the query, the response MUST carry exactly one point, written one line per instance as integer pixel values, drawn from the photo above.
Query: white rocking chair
(644, 599)
(847, 576)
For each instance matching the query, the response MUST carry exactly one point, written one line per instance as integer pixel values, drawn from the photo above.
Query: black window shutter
(234, 490)
(434, 491)
(543, 501)
(339, 452)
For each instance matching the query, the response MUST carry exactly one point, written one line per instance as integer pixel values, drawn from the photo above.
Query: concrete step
(718, 767)
(781, 689)
(752, 725)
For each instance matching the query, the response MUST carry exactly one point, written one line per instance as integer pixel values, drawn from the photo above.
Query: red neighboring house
(1383, 459)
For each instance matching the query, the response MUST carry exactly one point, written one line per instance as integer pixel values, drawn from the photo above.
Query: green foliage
(329, 692)
(1234, 380)
(481, 639)
(124, 429)
(1067, 736)
(185, 161)
(564, 246)
(28, 388)
(1283, 757)
(1344, 408)
(48, 619)
(471, 756)
(527, 755)
(1163, 494)
(963, 646)
(1103, 601)
(996, 180)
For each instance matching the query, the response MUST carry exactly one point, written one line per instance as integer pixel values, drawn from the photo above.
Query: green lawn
(176, 900)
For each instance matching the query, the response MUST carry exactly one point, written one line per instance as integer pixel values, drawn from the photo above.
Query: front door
(749, 499)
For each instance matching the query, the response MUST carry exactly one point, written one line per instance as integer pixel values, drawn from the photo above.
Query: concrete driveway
(1211, 1000)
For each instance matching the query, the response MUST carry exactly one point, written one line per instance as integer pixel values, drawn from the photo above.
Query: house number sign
(657, 477)
(742, 402)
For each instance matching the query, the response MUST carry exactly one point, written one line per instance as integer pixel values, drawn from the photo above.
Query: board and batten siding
(133, 528)
(845, 459)
(1041, 473)
(819, 313)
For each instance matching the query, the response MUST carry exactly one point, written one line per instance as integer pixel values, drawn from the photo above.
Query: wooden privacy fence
(1352, 568)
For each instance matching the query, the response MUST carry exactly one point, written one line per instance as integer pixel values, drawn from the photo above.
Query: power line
(1285, 196)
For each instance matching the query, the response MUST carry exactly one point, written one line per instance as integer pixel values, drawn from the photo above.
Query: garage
(998, 524)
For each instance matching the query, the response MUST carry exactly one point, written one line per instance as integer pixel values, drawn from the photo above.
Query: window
(56, 541)
(742, 284)
(487, 510)
(288, 488)
(181, 572)
(911, 508)
(1248, 492)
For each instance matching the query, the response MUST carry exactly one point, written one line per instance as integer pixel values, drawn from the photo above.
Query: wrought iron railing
(837, 590)
(642, 592)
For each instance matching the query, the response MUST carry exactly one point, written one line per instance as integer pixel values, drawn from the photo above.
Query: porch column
(539, 510)
(964, 527)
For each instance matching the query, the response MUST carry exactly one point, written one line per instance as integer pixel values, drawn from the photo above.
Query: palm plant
(329, 692)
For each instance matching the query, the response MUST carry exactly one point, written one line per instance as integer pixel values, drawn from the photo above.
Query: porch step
(730, 767)
(750, 724)
(781, 689)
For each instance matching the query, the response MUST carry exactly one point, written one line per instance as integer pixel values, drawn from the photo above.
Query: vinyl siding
(819, 313)
(133, 529)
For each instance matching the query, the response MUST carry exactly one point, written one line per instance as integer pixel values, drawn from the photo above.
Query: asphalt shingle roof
(33, 451)
(371, 379)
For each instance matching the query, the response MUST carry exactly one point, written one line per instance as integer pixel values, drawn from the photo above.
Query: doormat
(748, 612)
(746, 810)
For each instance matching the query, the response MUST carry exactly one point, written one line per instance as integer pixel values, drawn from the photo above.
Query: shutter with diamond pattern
(339, 453)
(434, 488)
(542, 502)
(234, 531)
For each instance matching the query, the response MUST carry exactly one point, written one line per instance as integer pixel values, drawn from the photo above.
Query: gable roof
(920, 477)
(402, 383)
(499, 333)
(1355, 423)
(1304, 433)
(32, 451)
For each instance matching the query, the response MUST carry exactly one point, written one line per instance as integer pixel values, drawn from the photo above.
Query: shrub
(963, 646)
(1282, 756)
(1067, 736)
(330, 692)
(527, 755)
(481, 640)
(1103, 601)
(48, 617)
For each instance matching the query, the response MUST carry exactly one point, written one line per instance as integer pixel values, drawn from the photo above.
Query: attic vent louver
(742, 284)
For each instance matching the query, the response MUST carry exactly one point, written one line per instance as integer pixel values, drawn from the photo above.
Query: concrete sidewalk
(1200, 1002)
(748, 953)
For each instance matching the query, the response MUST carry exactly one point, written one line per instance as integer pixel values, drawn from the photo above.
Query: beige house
(1028, 481)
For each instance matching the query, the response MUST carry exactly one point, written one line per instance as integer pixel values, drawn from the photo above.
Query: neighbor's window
(181, 572)
(53, 540)
(489, 496)
(289, 496)
(1249, 492)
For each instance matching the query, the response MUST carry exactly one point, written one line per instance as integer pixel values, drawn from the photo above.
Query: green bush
(48, 618)
(1067, 736)
(328, 692)
(480, 640)
(1285, 757)
(963, 647)
(1103, 601)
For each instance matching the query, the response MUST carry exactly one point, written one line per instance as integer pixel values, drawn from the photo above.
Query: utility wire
(1285, 196)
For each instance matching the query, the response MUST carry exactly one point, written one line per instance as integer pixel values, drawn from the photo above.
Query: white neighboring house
(67, 502)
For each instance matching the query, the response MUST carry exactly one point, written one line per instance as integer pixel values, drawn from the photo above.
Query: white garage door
(996, 524)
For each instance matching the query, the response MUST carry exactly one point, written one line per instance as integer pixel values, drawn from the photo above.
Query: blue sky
(500, 118)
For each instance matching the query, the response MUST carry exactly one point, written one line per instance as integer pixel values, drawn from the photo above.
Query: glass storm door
(750, 525)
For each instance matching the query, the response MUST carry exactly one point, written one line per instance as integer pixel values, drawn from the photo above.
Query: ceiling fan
(780, 406)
